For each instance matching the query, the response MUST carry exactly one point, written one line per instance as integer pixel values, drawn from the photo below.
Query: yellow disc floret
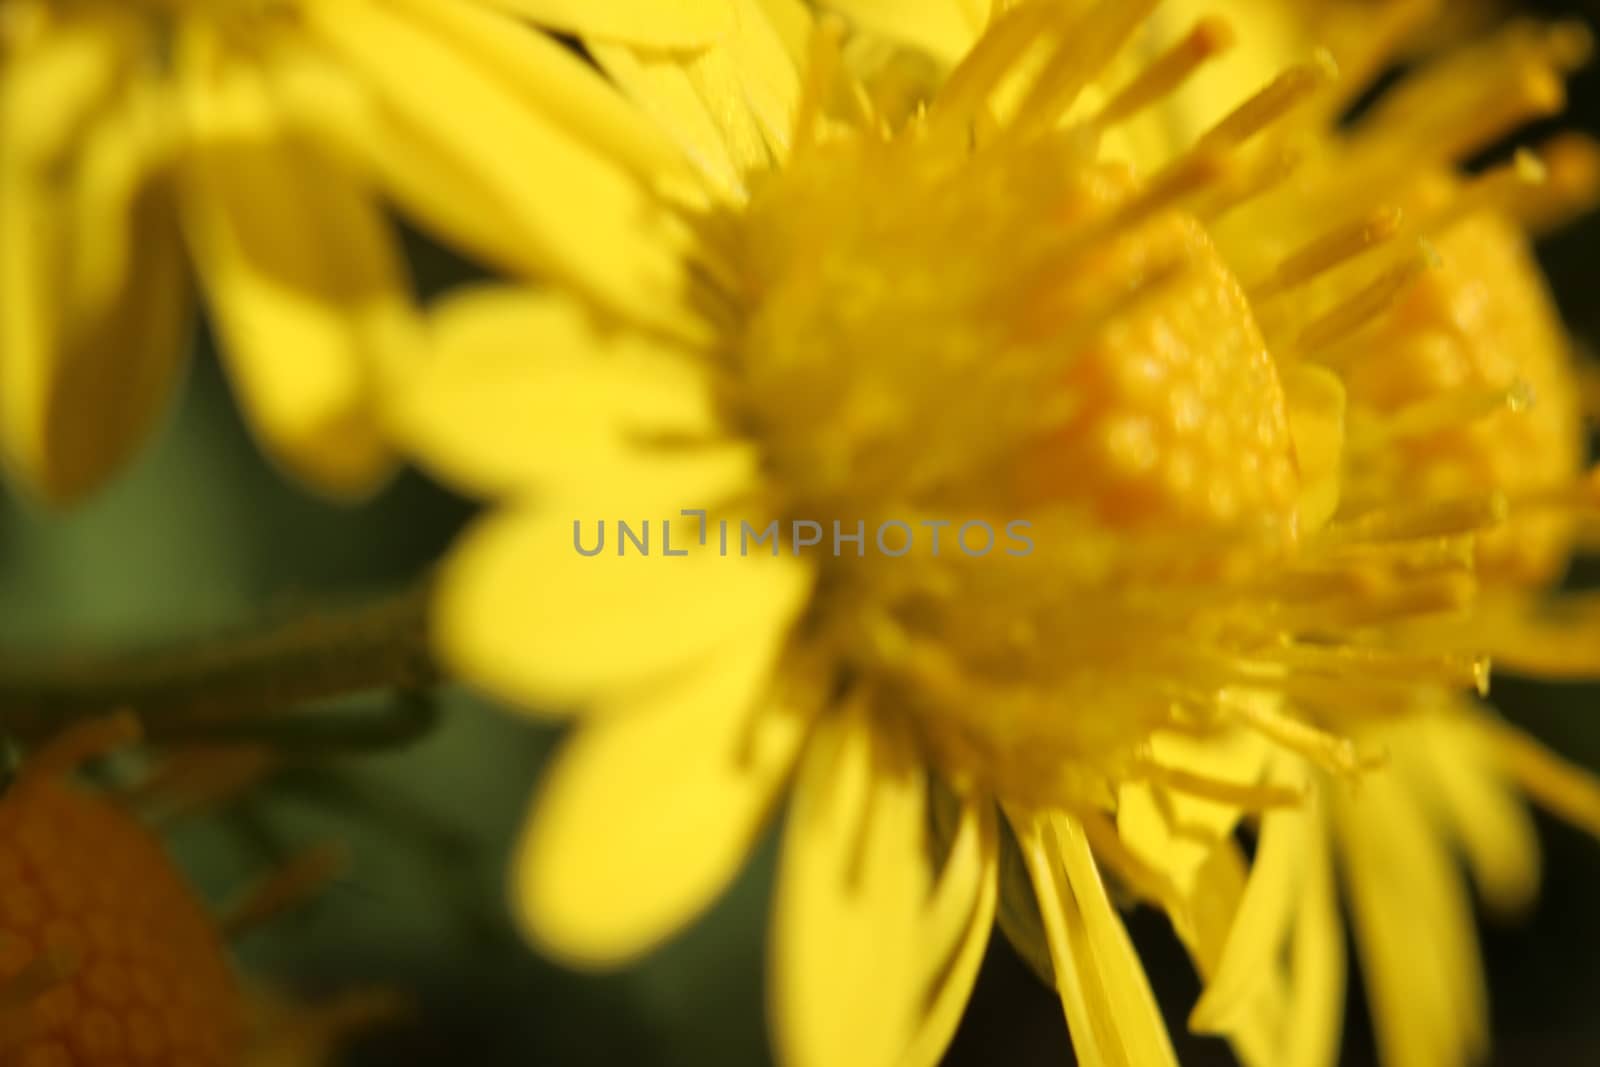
(1018, 339)
(106, 955)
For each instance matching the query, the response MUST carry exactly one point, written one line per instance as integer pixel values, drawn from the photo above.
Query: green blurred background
(202, 535)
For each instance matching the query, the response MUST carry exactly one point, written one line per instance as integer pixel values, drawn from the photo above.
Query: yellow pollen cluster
(965, 349)
(106, 955)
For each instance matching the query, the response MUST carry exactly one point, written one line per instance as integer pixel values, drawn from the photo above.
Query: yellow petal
(48, 90)
(1204, 926)
(1414, 928)
(945, 29)
(464, 153)
(523, 613)
(957, 927)
(1262, 924)
(792, 21)
(523, 391)
(853, 880)
(768, 78)
(1315, 1018)
(1478, 807)
(299, 269)
(1555, 640)
(119, 365)
(551, 78)
(647, 23)
(1109, 1006)
(661, 88)
(1176, 831)
(62, 427)
(647, 813)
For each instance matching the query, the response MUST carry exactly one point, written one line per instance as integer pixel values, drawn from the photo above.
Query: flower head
(997, 465)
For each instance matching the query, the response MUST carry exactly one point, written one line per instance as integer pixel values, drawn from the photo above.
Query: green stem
(235, 685)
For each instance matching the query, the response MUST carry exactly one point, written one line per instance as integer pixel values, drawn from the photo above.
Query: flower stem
(252, 685)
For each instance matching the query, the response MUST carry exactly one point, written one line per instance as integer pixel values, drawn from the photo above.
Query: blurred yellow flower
(256, 142)
(868, 322)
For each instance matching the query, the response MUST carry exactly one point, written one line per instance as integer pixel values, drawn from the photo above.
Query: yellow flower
(256, 142)
(969, 318)
(1463, 390)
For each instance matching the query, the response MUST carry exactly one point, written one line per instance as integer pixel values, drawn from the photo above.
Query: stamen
(1366, 305)
(1495, 190)
(1457, 408)
(1337, 754)
(78, 744)
(1455, 108)
(1449, 669)
(297, 881)
(198, 779)
(995, 55)
(1429, 518)
(1081, 52)
(1560, 640)
(1330, 250)
(1572, 162)
(1210, 38)
(1256, 181)
(1272, 103)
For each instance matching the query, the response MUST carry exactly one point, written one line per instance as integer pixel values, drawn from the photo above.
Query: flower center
(1012, 337)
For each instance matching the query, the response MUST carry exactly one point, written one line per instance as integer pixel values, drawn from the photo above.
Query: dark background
(202, 534)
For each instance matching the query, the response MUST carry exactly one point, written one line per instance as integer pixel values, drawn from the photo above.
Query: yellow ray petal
(661, 88)
(1204, 927)
(1175, 831)
(945, 29)
(552, 79)
(1264, 919)
(299, 269)
(769, 79)
(793, 23)
(523, 391)
(679, 24)
(853, 881)
(1315, 1019)
(467, 156)
(75, 167)
(959, 920)
(1413, 925)
(522, 612)
(1109, 1006)
(119, 364)
(648, 813)
(1478, 807)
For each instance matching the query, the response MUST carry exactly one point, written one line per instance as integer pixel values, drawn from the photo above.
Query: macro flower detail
(253, 146)
(976, 315)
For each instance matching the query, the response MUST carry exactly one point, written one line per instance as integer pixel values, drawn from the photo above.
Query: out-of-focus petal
(522, 391)
(849, 972)
(465, 153)
(298, 266)
(523, 612)
(647, 813)
(945, 29)
(674, 24)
